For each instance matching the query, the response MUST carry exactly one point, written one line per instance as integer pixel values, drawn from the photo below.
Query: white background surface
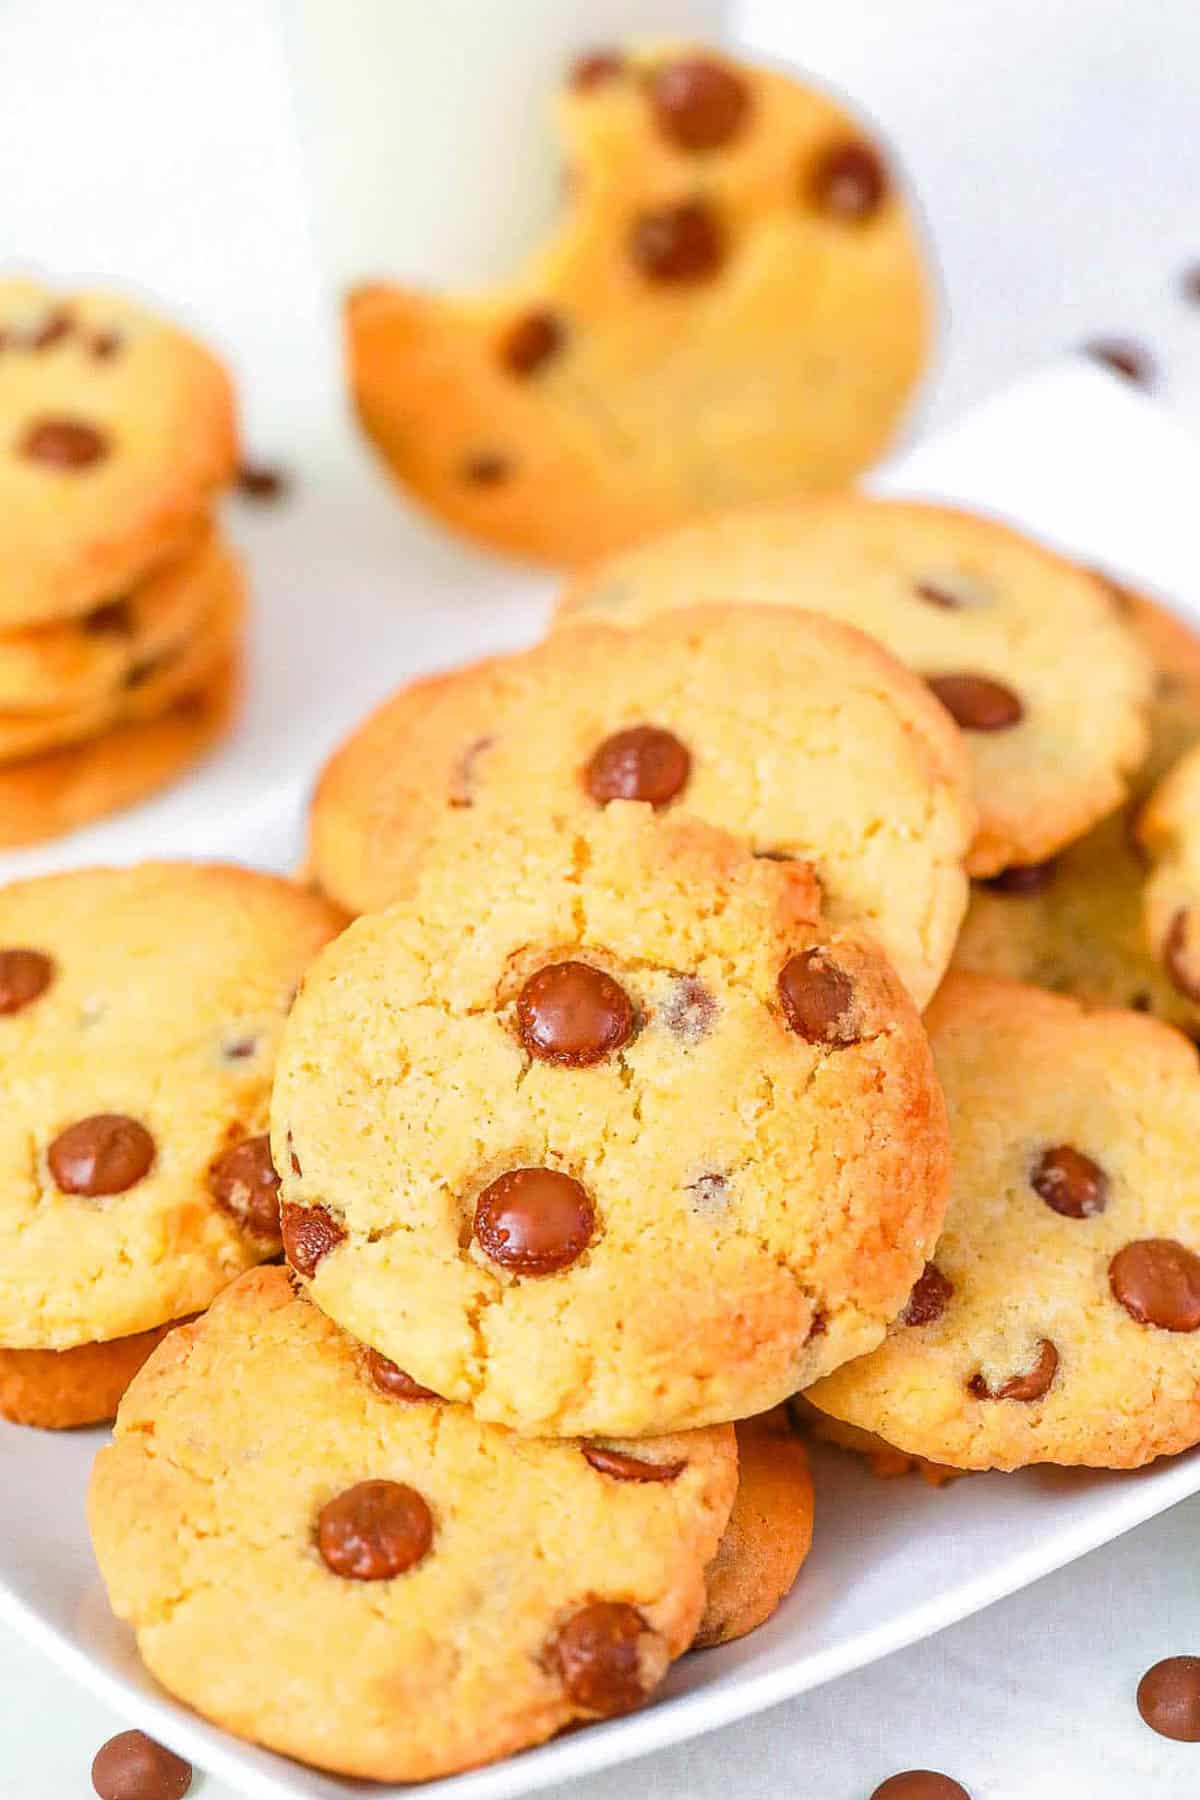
(1055, 149)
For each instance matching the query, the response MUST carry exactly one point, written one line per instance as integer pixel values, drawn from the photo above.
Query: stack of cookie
(120, 605)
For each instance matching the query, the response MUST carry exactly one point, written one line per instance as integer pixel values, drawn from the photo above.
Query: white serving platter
(353, 595)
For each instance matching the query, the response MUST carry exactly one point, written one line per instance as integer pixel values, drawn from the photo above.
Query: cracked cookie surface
(474, 1592)
(605, 1130)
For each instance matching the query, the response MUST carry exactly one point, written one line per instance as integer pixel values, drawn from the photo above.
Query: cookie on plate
(988, 617)
(1059, 1319)
(794, 731)
(140, 1010)
(606, 1131)
(768, 1535)
(733, 308)
(274, 1486)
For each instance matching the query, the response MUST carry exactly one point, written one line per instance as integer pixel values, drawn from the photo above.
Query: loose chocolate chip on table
(688, 1010)
(531, 341)
(817, 998)
(244, 1184)
(309, 1233)
(24, 975)
(374, 1531)
(1022, 878)
(920, 1784)
(534, 1221)
(1168, 1698)
(1174, 956)
(630, 1468)
(849, 182)
(390, 1379)
(1070, 1182)
(63, 444)
(677, 243)
(976, 703)
(573, 1014)
(1030, 1386)
(1123, 358)
(698, 104)
(260, 481)
(594, 68)
(104, 1154)
(596, 1653)
(645, 762)
(113, 619)
(931, 1295)
(131, 1766)
(1157, 1281)
(486, 468)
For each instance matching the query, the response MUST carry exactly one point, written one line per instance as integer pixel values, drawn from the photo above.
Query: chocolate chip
(64, 444)
(531, 341)
(262, 482)
(244, 1184)
(463, 775)
(977, 703)
(573, 1014)
(817, 998)
(113, 619)
(55, 327)
(309, 1233)
(594, 68)
(1124, 358)
(240, 1049)
(630, 1468)
(486, 468)
(688, 1010)
(848, 183)
(936, 595)
(645, 762)
(920, 1784)
(596, 1654)
(1022, 878)
(1168, 1698)
(534, 1221)
(677, 243)
(1070, 1182)
(1174, 956)
(1157, 1281)
(374, 1531)
(394, 1381)
(931, 1295)
(131, 1766)
(698, 104)
(24, 975)
(710, 1193)
(1029, 1386)
(104, 345)
(104, 1154)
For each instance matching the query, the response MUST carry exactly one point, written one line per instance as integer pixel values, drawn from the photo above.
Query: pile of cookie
(120, 603)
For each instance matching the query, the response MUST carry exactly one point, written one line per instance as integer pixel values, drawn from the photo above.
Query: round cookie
(271, 1485)
(45, 796)
(768, 1535)
(140, 1011)
(1060, 1318)
(795, 732)
(116, 431)
(987, 616)
(59, 1389)
(733, 308)
(1168, 831)
(636, 1144)
(884, 1461)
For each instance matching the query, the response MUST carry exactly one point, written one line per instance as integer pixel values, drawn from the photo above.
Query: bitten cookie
(733, 308)
(768, 1534)
(272, 1483)
(140, 1010)
(606, 1131)
(989, 618)
(1059, 1320)
(795, 732)
(116, 430)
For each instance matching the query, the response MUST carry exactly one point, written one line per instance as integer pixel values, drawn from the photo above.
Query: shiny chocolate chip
(65, 444)
(645, 762)
(309, 1233)
(244, 1184)
(534, 1221)
(374, 1531)
(817, 998)
(131, 1766)
(977, 703)
(1031, 1385)
(106, 1153)
(698, 103)
(1157, 1281)
(630, 1468)
(1070, 1182)
(573, 1014)
(24, 977)
(597, 1655)
(931, 1295)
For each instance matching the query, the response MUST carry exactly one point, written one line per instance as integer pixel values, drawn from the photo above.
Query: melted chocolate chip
(486, 468)
(630, 1468)
(244, 1184)
(679, 243)
(394, 1381)
(1070, 1182)
(309, 1233)
(1168, 1698)
(920, 1784)
(931, 1295)
(848, 183)
(1022, 879)
(1174, 957)
(817, 998)
(1157, 1281)
(131, 1766)
(596, 1655)
(594, 68)
(1123, 357)
(531, 342)
(534, 1221)
(573, 1014)
(976, 703)
(374, 1531)
(113, 619)
(1030, 1386)
(645, 762)
(66, 444)
(698, 104)
(24, 976)
(107, 1153)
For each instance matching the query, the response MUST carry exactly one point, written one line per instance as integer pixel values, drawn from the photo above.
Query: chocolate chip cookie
(768, 1534)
